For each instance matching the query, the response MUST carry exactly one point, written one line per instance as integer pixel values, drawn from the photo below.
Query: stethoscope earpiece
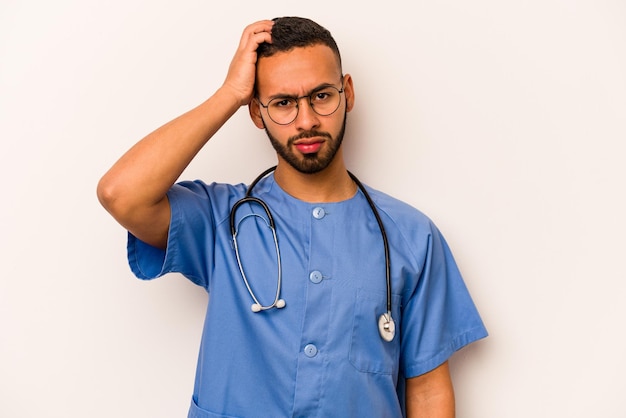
(256, 307)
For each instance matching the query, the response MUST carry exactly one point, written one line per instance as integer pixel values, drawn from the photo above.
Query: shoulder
(397, 211)
(201, 197)
(200, 188)
(409, 229)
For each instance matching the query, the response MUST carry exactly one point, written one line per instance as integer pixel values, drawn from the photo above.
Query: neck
(333, 184)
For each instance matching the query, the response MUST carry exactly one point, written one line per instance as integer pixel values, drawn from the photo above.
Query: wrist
(230, 94)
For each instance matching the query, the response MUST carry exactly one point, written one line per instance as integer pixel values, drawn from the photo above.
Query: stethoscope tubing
(386, 323)
(257, 306)
(383, 234)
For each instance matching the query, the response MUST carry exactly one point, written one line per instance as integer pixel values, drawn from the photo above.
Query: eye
(283, 103)
(323, 95)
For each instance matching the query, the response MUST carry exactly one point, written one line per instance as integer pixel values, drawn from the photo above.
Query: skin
(297, 73)
(431, 395)
(134, 190)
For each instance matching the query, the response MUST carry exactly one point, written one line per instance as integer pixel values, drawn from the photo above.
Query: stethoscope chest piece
(386, 327)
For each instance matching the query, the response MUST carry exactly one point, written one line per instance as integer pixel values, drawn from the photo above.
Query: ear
(348, 89)
(255, 113)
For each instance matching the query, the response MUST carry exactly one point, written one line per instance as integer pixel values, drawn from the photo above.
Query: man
(316, 349)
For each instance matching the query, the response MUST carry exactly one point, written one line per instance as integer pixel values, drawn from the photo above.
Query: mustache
(308, 134)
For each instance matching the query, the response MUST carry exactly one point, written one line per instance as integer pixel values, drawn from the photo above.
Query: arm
(134, 190)
(430, 395)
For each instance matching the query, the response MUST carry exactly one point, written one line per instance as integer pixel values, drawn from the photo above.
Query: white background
(504, 121)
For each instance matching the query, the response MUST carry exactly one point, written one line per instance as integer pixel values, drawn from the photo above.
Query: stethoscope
(386, 324)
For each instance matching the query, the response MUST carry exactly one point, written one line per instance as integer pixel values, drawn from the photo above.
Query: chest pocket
(369, 353)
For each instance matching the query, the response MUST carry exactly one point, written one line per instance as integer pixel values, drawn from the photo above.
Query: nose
(306, 118)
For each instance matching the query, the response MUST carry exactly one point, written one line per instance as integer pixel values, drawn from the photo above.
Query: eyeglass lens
(324, 102)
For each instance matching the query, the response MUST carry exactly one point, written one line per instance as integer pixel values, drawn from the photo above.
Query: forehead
(298, 70)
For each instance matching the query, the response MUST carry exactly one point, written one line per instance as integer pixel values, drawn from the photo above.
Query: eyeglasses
(324, 101)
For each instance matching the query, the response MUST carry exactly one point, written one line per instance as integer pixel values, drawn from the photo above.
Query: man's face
(309, 143)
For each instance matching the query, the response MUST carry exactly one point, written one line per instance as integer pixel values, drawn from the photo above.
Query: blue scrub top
(321, 355)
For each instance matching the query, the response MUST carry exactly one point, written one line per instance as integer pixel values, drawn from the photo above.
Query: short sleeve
(440, 317)
(190, 240)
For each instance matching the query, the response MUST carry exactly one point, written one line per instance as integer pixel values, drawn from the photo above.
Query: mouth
(309, 145)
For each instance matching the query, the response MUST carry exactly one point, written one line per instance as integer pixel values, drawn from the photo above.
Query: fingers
(257, 33)
(242, 70)
(260, 26)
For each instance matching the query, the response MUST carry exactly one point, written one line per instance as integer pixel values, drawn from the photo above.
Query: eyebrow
(293, 96)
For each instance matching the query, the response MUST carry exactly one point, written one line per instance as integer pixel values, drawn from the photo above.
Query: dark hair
(297, 32)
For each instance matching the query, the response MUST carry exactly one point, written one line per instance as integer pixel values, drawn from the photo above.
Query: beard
(314, 162)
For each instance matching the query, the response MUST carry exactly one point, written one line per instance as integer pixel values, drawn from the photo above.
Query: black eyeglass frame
(297, 100)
